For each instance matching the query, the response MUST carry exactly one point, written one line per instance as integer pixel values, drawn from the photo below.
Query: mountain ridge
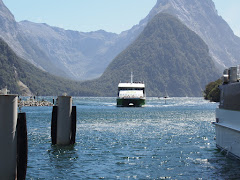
(202, 17)
(23, 78)
(167, 56)
(81, 56)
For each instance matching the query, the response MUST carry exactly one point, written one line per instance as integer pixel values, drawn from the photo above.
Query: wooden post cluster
(13, 133)
(63, 127)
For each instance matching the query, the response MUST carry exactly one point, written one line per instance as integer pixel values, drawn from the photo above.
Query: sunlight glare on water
(172, 139)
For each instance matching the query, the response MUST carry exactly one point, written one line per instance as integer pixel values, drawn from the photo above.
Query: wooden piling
(63, 125)
(8, 137)
(54, 125)
(22, 146)
(74, 125)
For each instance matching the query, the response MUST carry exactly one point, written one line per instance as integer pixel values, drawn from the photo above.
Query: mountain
(81, 56)
(23, 78)
(66, 53)
(202, 17)
(11, 33)
(167, 56)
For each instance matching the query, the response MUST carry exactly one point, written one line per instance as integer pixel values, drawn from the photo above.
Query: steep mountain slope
(167, 56)
(81, 56)
(11, 33)
(24, 78)
(202, 18)
(65, 53)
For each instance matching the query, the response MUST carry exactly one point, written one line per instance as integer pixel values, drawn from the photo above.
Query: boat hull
(130, 102)
(227, 127)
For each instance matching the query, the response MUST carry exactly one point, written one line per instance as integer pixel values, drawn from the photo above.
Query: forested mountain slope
(85, 55)
(24, 78)
(167, 56)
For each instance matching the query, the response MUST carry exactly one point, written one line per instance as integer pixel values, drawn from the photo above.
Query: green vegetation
(212, 92)
(7, 70)
(13, 68)
(167, 56)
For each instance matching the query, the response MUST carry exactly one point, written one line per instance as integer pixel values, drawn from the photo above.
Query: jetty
(29, 102)
(32, 102)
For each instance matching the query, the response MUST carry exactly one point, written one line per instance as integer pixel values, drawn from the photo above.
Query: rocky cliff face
(65, 53)
(82, 56)
(167, 55)
(9, 28)
(12, 33)
(202, 18)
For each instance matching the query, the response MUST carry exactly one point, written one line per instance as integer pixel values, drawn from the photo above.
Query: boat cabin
(131, 90)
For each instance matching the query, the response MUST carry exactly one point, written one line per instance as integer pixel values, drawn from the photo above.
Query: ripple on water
(172, 140)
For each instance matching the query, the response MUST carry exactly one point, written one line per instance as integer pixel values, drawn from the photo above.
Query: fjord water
(163, 140)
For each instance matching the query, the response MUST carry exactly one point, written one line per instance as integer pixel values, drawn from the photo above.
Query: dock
(33, 102)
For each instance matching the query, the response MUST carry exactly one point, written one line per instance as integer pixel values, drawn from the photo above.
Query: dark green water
(172, 140)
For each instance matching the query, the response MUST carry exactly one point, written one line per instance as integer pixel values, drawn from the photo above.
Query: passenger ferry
(131, 94)
(228, 113)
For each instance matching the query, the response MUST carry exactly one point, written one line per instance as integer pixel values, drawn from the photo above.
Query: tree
(212, 91)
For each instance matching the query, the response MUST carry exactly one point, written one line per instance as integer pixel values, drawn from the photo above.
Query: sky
(110, 15)
(82, 15)
(230, 11)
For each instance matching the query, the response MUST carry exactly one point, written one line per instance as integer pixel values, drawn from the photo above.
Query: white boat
(131, 94)
(227, 123)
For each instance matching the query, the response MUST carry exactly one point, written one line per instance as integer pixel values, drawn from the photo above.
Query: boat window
(128, 88)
